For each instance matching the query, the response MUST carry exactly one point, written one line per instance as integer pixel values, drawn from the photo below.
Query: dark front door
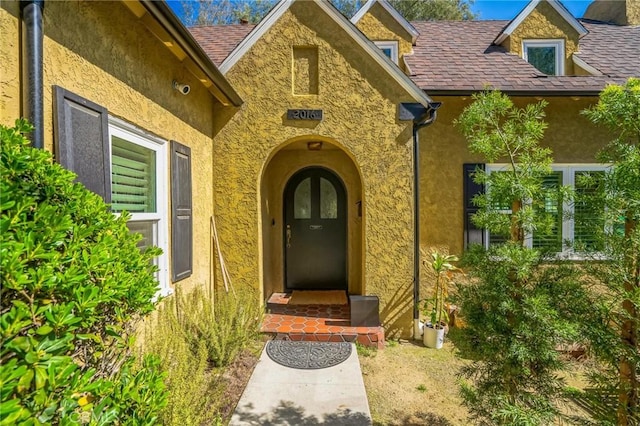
(315, 231)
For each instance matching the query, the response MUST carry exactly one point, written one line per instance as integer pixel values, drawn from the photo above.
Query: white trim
(569, 171)
(558, 44)
(391, 45)
(135, 135)
(394, 14)
(585, 66)
(392, 69)
(515, 23)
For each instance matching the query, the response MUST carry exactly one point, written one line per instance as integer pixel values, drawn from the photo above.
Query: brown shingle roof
(220, 40)
(459, 57)
(611, 49)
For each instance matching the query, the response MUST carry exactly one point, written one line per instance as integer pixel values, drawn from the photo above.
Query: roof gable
(392, 11)
(376, 54)
(562, 11)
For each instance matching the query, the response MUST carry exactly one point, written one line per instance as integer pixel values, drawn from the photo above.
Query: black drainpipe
(426, 118)
(32, 70)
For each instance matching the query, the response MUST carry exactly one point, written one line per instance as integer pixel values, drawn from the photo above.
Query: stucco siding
(359, 104)
(572, 138)
(9, 62)
(378, 24)
(102, 52)
(545, 23)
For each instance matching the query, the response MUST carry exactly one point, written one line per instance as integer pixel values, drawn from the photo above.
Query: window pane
(146, 228)
(133, 177)
(543, 58)
(588, 213)
(552, 207)
(302, 200)
(387, 51)
(328, 200)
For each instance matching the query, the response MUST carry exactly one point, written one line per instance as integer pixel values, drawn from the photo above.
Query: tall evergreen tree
(517, 305)
(616, 341)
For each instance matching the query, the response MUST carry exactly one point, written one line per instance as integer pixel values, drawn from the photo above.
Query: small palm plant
(435, 306)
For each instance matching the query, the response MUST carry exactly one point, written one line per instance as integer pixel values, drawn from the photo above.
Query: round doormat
(308, 355)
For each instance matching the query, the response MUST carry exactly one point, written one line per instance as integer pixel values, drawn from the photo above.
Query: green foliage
(502, 132)
(192, 335)
(435, 307)
(434, 10)
(224, 12)
(366, 351)
(518, 309)
(226, 325)
(189, 379)
(615, 334)
(72, 281)
(517, 313)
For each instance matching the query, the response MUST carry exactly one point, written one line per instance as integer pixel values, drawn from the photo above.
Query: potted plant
(435, 307)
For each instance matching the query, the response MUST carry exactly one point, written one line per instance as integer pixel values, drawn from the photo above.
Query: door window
(302, 200)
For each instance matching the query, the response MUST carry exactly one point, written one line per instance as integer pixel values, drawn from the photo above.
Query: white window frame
(557, 43)
(132, 134)
(568, 179)
(392, 45)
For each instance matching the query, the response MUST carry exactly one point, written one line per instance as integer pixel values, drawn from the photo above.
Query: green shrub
(189, 379)
(72, 281)
(192, 335)
(226, 325)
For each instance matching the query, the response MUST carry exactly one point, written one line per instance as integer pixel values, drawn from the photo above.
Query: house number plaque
(304, 114)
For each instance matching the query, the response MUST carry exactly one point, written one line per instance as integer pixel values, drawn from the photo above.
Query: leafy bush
(72, 281)
(518, 307)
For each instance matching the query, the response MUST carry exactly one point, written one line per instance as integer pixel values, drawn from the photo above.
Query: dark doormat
(308, 355)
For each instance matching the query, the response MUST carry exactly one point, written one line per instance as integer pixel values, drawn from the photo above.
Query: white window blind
(133, 177)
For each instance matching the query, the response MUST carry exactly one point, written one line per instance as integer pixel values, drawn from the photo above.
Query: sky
(508, 9)
(486, 9)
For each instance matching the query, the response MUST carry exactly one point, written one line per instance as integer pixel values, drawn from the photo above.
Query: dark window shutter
(472, 234)
(82, 140)
(181, 213)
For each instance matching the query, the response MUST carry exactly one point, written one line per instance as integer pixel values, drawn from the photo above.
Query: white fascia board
(265, 24)
(566, 15)
(585, 66)
(392, 11)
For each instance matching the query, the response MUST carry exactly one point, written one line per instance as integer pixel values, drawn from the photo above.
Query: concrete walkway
(278, 395)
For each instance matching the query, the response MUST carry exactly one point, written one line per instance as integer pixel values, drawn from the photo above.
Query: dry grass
(409, 384)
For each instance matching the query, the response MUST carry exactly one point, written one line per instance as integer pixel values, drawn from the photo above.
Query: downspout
(32, 69)
(424, 120)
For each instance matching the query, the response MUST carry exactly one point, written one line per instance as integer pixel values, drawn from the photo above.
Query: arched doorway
(290, 158)
(315, 240)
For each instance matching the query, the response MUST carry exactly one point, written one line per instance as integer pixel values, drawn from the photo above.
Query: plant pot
(433, 337)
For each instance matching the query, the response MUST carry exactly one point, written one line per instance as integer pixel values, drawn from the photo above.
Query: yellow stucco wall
(359, 103)
(9, 62)
(100, 51)
(621, 12)
(545, 23)
(378, 25)
(633, 12)
(572, 138)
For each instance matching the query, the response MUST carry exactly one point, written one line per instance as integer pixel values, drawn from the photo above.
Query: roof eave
(268, 21)
(218, 86)
(517, 92)
(392, 11)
